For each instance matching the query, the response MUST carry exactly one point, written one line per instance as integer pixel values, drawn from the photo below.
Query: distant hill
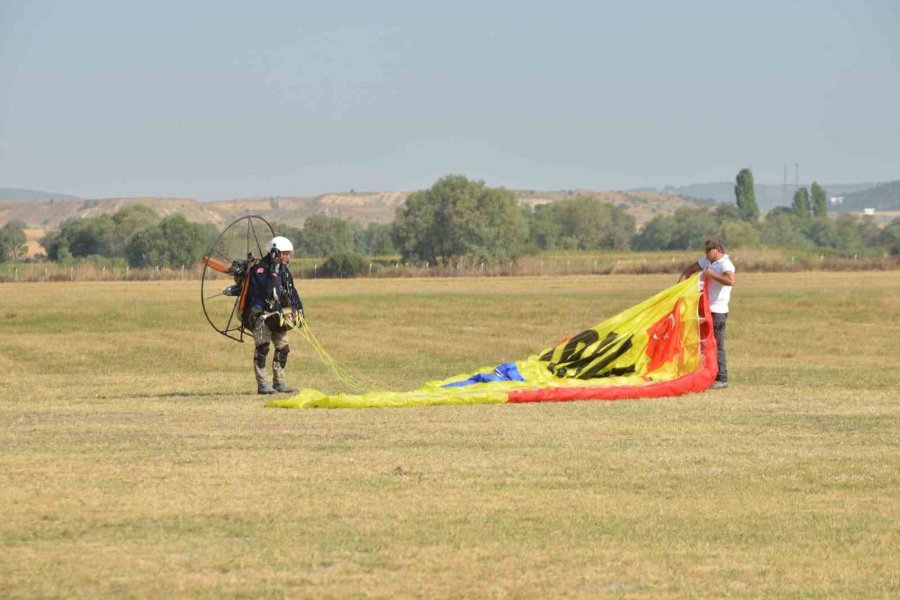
(885, 197)
(375, 207)
(768, 196)
(15, 194)
(46, 210)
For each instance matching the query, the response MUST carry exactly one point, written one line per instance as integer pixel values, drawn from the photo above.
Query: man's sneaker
(718, 385)
(265, 389)
(285, 389)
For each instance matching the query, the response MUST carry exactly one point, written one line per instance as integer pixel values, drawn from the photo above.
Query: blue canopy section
(505, 372)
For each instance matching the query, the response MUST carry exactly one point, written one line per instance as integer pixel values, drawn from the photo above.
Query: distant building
(836, 200)
(869, 211)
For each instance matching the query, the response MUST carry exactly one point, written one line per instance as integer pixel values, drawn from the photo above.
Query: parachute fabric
(663, 346)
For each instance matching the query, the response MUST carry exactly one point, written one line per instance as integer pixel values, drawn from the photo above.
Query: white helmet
(282, 244)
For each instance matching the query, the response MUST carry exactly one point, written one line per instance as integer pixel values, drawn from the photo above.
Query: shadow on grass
(180, 395)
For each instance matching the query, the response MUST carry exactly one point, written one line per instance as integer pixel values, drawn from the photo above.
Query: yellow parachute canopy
(663, 346)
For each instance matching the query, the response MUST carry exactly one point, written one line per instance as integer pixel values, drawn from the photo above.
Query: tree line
(134, 233)
(140, 237)
(459, 218)
(804, 225)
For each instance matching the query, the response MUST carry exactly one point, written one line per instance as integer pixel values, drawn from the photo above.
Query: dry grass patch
(135, 462)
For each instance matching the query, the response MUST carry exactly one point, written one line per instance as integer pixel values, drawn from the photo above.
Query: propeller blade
(217, 265)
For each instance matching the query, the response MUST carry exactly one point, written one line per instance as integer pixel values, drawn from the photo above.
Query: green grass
(136, 462)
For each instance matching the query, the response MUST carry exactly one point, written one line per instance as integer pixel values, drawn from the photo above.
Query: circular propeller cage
(223, 285)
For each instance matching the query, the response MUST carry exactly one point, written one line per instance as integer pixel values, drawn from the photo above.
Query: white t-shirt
(719, 294)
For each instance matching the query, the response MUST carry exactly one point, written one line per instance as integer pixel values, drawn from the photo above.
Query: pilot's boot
(278, 376)
(259, 369)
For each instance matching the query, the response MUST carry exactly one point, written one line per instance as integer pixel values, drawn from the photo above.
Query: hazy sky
(217, 100)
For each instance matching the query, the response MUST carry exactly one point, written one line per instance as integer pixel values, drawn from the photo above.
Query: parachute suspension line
(339, 372)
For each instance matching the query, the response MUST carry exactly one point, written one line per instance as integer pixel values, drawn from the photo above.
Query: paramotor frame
(224, 282)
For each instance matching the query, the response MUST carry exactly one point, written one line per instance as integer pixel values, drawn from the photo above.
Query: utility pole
(784, 194)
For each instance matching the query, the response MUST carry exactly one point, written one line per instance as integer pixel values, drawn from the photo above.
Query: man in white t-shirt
(718, 273)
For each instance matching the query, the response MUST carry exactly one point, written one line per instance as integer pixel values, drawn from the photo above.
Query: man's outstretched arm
(694, 268)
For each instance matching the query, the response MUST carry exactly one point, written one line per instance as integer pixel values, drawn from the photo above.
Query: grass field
(136, 462)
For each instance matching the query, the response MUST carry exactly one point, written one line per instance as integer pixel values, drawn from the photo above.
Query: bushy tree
(376, 240)
(848, 232)
(172, 242)
(657, 234)
(745, 195)
(80, 237)
(687, 229)
(588, 224)
(457, 217)
(344, 264)
(728, 212)
(128, 221)
(4, 246)
(13, 240)
(692, 227)
(819, 200)
(800, 205)
(821, 232)
(543, 228)
(889, 237)
(781, 228)
(51, 243)
(739, 234)
(868, 231)
(854, 233)
(324, 235)
(102, 235)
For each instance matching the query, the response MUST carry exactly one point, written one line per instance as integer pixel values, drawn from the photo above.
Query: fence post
(370, 269)
(315, 270)
(17, 273)
(72, 273)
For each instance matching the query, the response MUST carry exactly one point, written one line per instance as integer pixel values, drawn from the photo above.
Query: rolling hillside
(885, 197)
(377, 207)
(768, 196)
(20, 195)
